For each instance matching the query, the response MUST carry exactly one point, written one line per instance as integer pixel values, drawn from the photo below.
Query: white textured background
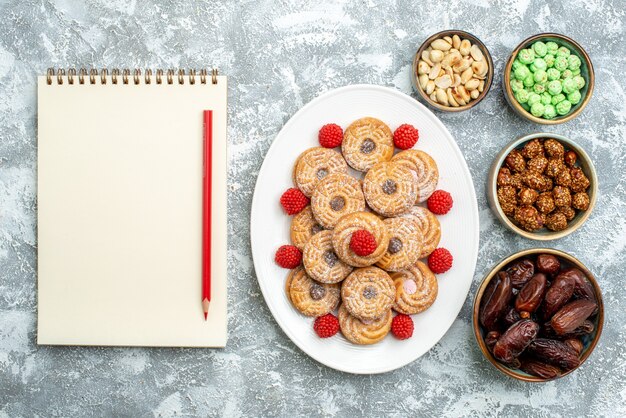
(279, 55)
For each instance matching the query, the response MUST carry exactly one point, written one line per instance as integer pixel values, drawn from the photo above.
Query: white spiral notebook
(120, 167)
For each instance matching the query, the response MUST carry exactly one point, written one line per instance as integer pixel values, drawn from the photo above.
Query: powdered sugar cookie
(303, 227)
(425, 169)
(430, 227)
(335, 196)
(313, 165)
(349, 224)
(364, 332)
(389, 188)
(310, 297)
(368, 293)
(366, 142)
(320, 260)
(405, 244)
(416, 289)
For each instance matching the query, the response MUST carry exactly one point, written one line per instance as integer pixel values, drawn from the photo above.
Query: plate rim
(475, 215)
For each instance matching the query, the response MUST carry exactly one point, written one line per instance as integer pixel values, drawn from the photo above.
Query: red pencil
(206, 212)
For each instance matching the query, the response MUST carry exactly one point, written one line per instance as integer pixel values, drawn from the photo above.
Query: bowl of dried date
(542, 186)
(538, 315)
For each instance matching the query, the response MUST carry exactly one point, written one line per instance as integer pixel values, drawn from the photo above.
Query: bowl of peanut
(538, 315)
(542, 186)
(452, 71)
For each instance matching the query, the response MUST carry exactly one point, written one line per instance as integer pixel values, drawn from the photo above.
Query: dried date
(521, 272)
(557, 295)
(539, 369)
(547, 263)
(498, 302)
(587, 327)
(531, 295)
(511, 317)
(491, 339)
(576, 344)
(572, 315)
(582, 286)
(554, 352)
(515, 340)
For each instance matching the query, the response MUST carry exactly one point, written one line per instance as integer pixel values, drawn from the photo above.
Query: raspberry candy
(402, 326)
(326, 326)
(330, 135)
(405, 136)
(440, 202)
(293, 201)
(288, 256)
(363, 243)
(440, 260)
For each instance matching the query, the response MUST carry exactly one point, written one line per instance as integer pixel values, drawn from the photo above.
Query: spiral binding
(168, 77)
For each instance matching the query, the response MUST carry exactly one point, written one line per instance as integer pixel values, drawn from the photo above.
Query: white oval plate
(269, 225)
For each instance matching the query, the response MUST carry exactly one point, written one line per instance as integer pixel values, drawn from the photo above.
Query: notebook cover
(120, 214)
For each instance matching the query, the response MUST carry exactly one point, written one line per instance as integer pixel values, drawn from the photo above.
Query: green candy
(557, 99)
(563, 108)
(580, 82)
(574, 97)
(552, 47)
(539, 88)
(567, 74)
(549, 112)
(569, 85)
(522, 72)
(576, 71)
(526, 56)
(529, 81)
(555, 87)
(516, 64)
(560, 63)
(537, 109)
(533, 98)
(521, 96)
(549, 59)
(546, 99)
(563, 52)
(540, 49)
(574, 62)
(540, 76)
(516, 85)
(553, 74)
(540, 64)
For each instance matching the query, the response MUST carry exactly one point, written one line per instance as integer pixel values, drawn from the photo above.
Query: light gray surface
(279, 56)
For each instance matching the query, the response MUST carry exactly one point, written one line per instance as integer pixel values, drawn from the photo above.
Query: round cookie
(366, 142)
(310, 297)
(416, 289)
(389, 188)
(364, 333)
(313, 165)
(425, 169)
(320, 260)
(430, 227)
(335, 196)
(303, 227)
(405, 244)
(368, 293)
(349, 224)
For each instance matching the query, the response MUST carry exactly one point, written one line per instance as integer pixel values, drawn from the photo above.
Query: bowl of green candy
(548, 79)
